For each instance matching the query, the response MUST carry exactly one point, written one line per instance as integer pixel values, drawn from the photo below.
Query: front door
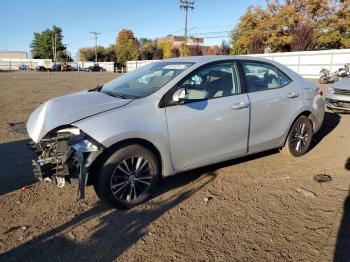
(212, 124)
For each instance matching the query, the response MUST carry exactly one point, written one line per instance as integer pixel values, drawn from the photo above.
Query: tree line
(127, 47)
(294, 25)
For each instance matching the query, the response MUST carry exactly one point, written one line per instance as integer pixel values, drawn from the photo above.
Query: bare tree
(302, 38)
(256, 45)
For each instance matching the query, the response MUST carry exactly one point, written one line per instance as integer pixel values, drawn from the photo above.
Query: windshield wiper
(96, 89)
(115, 95)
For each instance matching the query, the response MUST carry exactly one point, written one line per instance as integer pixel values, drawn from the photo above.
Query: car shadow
(15, 166)
(342, 247)
(330, 122)
(115, 231)
(119, 229)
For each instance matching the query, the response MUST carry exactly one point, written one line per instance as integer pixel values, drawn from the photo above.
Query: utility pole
(95, 37)
(186, 4)
(54, 47)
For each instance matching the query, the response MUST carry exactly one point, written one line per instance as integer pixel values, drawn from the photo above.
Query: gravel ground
(261, 207)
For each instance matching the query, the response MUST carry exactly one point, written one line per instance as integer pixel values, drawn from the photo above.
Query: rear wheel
(128, 177)
(299, 137)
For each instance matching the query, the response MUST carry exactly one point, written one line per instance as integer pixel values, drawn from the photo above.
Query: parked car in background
(95, 68)
(171, 116)
(56, 67)
(24, 67)
(41, 68)
(338, 95)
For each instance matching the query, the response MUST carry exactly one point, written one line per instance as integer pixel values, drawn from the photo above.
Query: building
(177, 41)
(13, 55)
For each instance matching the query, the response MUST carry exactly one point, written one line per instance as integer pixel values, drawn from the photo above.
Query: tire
(323, 80)
(299, 137)
(120, 184)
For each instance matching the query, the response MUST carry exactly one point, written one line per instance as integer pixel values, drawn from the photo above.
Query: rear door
(213, 122)
(275, 100)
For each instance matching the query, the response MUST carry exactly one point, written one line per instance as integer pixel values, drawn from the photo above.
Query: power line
(96, 34)
(210, 33)
(186, 4)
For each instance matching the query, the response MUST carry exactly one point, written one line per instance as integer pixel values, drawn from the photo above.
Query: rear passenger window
(260, 77)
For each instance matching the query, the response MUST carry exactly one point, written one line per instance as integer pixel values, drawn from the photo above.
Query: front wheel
(128, 177)
(299, 137)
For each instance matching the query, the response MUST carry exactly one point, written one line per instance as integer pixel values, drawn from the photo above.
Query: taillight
(319, 91)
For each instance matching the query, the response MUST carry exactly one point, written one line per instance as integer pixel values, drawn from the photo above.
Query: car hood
(65, 110)
(342, 84)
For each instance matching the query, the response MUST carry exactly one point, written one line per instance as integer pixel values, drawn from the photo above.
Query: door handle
(292, 95)
(240, 105)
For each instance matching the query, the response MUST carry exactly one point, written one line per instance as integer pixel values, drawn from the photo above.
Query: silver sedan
(338, 95)
(168, 117)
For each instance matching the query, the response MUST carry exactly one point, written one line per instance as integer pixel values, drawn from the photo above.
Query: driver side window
(212, 81)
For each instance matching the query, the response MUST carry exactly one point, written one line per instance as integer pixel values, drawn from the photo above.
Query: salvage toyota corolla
(168, 117)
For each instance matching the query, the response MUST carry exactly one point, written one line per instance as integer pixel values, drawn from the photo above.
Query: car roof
(213, 58)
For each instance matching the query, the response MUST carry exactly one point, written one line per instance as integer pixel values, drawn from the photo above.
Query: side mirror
(179, 96)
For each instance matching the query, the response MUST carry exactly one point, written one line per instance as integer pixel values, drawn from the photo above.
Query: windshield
(145, 80)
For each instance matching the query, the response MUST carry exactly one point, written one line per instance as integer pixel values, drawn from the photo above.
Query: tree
(196, 51)
(158, 54)
(175, 52)
(293, 25)
(166, 48)
(42, 46)
(224, 48)
(302, 38)
(146, 47)
(215, 50)
(126, 47)
(184, 50)
(103, 54)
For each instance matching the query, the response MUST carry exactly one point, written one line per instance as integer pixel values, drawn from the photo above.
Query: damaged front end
(65, 155)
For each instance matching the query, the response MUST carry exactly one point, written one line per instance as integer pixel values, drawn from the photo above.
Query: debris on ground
(321, 178)
(207, 199)
(306, 193)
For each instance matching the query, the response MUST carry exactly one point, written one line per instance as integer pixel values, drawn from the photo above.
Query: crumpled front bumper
(337, 102)
(72, 165)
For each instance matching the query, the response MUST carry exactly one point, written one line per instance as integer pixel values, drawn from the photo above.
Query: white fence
(306, 63)
(8, 64)
(310, 63)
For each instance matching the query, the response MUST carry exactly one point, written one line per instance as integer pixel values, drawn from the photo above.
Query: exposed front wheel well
(94, 168)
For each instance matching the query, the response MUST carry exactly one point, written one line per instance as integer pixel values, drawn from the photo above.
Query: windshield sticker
(176, 67)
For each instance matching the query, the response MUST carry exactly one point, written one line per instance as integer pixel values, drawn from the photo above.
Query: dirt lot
(262, 207)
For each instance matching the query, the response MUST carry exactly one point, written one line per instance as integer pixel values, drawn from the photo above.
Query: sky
(147, 18)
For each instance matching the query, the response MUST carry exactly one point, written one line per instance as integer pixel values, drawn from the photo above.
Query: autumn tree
(146, 48)
(293, 25)
(184, 50)
(126, 47)
(158, 54)
(166, 48)
(175, 52)
(103, 54)
(215, 50)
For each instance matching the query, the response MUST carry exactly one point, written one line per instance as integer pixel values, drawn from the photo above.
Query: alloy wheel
(131, 177)
(300, 137)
